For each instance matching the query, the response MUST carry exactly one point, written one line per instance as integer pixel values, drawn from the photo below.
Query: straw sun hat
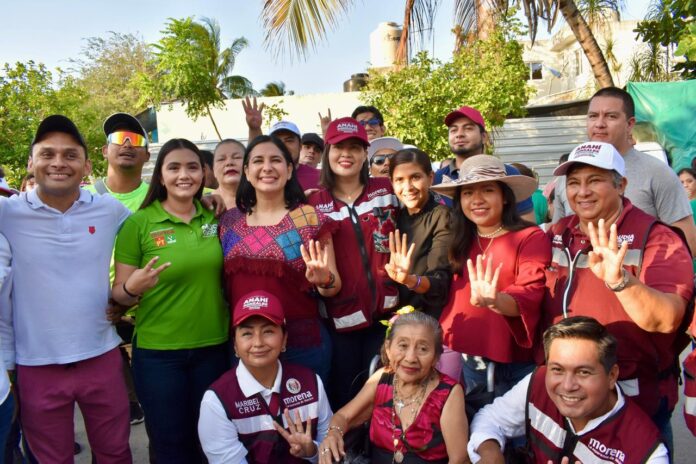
(486, 168)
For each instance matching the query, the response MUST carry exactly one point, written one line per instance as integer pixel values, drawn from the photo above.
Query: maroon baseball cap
(258, 303)
(345, 128)
(467, 112)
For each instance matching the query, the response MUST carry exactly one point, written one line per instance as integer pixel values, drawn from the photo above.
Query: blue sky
(52, 32)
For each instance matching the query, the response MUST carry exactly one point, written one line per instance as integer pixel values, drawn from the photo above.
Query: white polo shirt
(61, 276)
(5, 329)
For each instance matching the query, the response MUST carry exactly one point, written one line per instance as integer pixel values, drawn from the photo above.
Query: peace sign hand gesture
(254, 112)
(606, 258)
(316, 259)
(298, 437)
(484, 282)
(145, 278)
(400, 257)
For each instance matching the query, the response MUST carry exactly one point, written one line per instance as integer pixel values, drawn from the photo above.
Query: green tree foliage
(489, 75)
(100, 81)
(673, 22)
(193, 67)
(275, 89)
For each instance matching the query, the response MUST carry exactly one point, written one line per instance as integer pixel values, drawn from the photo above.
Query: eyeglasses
(120, 137)
(381, 159)
(371, 122)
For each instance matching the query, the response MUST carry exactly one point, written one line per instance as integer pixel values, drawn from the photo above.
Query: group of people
(286, 310)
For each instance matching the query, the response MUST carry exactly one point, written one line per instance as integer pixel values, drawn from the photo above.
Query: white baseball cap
(383, 142)
(286, 126)
(599, 154)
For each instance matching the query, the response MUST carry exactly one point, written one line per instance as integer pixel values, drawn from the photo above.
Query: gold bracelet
(336, 428)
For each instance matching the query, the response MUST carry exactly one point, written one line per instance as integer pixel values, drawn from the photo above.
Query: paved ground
(684, 442)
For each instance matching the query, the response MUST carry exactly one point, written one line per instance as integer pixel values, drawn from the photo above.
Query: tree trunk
(210, 115)
(484, 19)
(401, 57)
(587, 41)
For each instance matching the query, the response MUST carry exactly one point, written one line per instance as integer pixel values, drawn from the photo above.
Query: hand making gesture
(400, 257)
(254, 113)
(316, 259)
(145, 278)
(324, 121)
(606, 258)
(484, 282)
(298, 437)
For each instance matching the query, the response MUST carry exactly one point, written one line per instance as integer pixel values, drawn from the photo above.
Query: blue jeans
(6, 411)
(316, 358)
(170, 385)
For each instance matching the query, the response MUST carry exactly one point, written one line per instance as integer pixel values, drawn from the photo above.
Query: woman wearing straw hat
(498, 262)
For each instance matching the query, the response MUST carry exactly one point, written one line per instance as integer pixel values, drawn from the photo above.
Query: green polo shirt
(186, 308)
(131, 200)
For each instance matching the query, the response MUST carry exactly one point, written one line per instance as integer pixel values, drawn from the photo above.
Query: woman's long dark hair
(464, 230)
(327, 178)
(157, 190)
(246, 194)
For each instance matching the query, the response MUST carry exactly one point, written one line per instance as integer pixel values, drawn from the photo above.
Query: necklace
(353, 192)
(495, 232)
(414, 401)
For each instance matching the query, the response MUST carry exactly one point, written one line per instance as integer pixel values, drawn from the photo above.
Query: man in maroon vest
(571, 407)
(614, 262)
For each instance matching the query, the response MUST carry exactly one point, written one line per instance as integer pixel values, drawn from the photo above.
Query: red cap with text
(258, 303)
(345, 128)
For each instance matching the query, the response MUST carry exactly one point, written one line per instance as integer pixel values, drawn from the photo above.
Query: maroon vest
(253, 419)
(361, 246)
(627, 437)
(645, 359)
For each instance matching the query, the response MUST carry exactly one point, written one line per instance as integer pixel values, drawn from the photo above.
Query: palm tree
(648, 64)
(275, 89)
(219, 63)
(300, 24)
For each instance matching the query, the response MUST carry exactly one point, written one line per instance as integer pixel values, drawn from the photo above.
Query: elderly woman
(417, 413)
(498, 261)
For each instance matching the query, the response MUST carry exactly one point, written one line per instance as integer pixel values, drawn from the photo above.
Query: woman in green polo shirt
(169, 262)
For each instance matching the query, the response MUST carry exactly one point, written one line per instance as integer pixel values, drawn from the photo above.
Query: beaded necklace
(414, 402)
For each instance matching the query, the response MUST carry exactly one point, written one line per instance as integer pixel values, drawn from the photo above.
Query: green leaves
(489, 75)
(192, 67)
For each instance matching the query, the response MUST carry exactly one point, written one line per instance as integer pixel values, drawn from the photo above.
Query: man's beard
(467, 153)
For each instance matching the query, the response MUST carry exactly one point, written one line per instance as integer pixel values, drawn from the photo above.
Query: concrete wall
(302, 110)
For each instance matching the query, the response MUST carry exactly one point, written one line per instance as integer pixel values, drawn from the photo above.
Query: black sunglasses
(381, 159)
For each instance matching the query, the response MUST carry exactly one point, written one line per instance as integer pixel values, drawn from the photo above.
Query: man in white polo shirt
(65, 348)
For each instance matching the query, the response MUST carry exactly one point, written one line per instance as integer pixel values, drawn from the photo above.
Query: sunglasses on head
(371, 122)
(120, 137)
(379, 160)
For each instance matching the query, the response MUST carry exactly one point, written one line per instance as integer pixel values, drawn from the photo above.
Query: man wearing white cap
(614, 262)
(379, 152)
(653, 186)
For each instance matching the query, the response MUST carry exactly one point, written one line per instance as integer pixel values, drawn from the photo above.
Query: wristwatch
(621, 285)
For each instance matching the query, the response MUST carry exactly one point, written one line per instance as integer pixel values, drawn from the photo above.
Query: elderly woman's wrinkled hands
(332, 448)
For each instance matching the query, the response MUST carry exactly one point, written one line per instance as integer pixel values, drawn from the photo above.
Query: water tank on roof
(356, 82)
(384, 41)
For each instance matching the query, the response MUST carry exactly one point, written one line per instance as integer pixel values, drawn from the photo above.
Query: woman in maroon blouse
(416, 413)
(498, 262)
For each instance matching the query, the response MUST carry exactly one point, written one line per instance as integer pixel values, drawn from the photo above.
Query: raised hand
(316, 259)
(298, 437)
(253, 112)
(484, 282)
(145, 278)
(606, 258)
(324, 121)
(400, 257)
